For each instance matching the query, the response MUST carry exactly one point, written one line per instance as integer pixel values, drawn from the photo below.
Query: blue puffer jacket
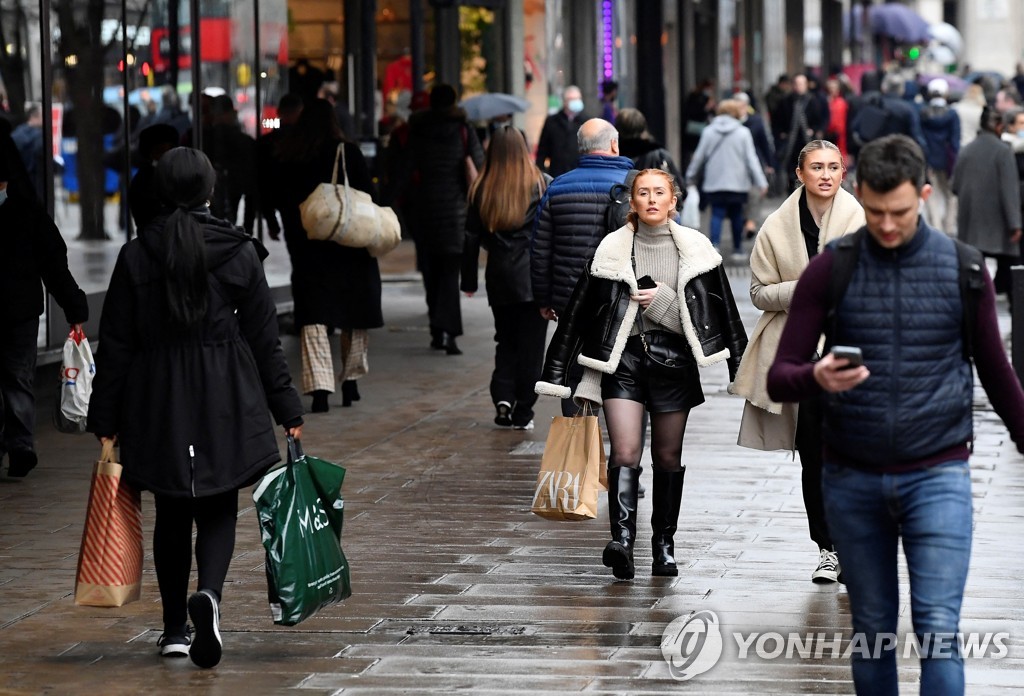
(570, 226)
(903, 309)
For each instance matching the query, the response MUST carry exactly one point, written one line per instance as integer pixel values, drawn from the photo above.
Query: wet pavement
(458, 587)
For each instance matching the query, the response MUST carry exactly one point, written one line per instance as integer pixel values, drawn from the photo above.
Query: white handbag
(342, 214)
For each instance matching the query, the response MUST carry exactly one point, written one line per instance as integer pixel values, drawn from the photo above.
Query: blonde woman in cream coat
(816, 213)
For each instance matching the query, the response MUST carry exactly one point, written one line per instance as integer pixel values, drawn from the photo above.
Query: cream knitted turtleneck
(655, 254)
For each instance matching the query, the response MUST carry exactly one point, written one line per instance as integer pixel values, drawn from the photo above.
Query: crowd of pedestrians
(641, 304)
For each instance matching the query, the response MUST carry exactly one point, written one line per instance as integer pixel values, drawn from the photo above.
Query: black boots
(349, 392)
(442, 340)
(666, 494)
(320, 404)
(618, 554)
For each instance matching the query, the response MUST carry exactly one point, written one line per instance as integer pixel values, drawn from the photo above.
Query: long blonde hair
(504, 189)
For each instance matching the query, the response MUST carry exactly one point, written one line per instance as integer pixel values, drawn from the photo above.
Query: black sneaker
(20, 462)
(175, 644)
(205, 614)
(828, 569)
(504, 417)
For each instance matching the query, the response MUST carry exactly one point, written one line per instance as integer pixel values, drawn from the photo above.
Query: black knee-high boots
(665, 500)
(622, 496)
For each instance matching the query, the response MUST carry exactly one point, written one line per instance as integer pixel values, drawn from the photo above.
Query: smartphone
(646, 283)
(851, 353)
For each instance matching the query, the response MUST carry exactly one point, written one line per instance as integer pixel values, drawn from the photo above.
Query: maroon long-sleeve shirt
(791, 377)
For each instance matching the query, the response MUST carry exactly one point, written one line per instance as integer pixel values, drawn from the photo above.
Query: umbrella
(941, 54)
(894, 20)
(484, 107)
(947, 35)
(899, 22)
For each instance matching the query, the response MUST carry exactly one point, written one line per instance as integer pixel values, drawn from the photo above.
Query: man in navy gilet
(897, 430)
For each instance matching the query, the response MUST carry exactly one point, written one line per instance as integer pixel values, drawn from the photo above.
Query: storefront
(102, 70)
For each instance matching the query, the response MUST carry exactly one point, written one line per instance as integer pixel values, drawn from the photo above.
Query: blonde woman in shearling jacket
(816, 213)
(651, 307)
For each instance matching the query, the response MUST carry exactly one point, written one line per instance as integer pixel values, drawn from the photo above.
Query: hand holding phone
(646, 283)
(851, 353)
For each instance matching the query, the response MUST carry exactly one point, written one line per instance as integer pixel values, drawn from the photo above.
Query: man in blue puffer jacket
(571, 222)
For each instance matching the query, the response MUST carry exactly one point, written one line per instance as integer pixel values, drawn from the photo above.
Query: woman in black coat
(440, 142)
(502, 206)
(189, 360)
(334, 287)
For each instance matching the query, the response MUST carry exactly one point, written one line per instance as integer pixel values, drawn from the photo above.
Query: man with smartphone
(897, 413)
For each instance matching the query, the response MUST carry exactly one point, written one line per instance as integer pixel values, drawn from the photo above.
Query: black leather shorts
(660, 389)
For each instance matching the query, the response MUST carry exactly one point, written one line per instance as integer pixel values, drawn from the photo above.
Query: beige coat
(778, 259)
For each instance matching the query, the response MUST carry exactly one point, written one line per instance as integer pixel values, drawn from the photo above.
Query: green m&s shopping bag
(300, 508)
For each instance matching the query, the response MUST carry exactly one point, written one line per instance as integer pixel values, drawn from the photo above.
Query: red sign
(215, 46)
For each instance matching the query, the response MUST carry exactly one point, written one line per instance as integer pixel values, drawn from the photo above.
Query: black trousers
(519, 334)
(17, 377)
(809, 444)
(215, 517)
(441, 282)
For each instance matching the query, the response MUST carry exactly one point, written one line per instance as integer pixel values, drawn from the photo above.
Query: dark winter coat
(331, 284)
(190, 410)
(762, 143)
(595, 325)
(940, 126)
(32, 252)
(439, 142)
(507, 277)
(985, 181)
(570, 225)
(143, 198)
(558, 148)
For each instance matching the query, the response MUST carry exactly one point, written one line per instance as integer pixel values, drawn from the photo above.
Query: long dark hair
(185, 179)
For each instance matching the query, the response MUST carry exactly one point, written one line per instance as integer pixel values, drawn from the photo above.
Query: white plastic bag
(76, 372)
(690, 217)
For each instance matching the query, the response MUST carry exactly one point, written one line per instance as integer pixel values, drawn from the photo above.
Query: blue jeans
(729, 204)
(931, 510)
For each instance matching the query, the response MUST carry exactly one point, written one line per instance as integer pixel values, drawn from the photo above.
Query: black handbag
(668, 351)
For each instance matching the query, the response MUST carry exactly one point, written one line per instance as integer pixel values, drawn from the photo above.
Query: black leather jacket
(591, 329)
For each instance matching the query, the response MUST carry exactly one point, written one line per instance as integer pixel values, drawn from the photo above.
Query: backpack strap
(845, 254)
(972, 284)
(618, 201)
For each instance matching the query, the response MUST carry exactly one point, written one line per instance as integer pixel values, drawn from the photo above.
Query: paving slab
(457, 586)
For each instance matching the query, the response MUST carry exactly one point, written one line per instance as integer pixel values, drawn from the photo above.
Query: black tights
(625, 431)
(215, 518)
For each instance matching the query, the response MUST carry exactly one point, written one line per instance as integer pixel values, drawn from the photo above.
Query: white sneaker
(175, 645)
(528, 426)
(738, 257)
(828, 567)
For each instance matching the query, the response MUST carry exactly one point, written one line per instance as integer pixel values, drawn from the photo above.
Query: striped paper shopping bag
(110, 559)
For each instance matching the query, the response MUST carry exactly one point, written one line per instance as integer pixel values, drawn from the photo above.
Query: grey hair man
(571, 218)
